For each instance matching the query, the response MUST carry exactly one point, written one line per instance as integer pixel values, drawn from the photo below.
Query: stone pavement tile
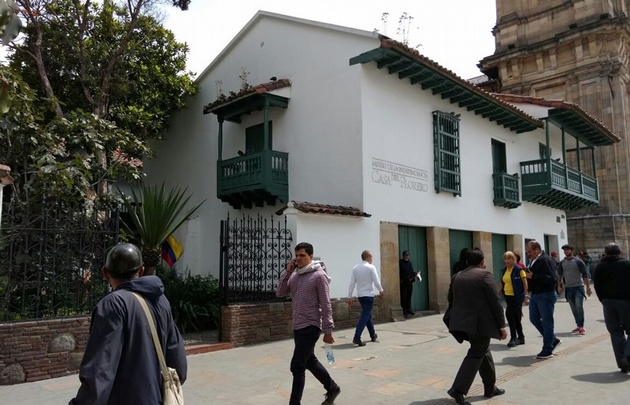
(395, 389)
(386, 373)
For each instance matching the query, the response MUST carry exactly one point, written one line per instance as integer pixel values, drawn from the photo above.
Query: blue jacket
(517, 283)
(120, 365)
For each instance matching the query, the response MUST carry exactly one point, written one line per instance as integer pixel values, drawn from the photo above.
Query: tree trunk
(151, 258)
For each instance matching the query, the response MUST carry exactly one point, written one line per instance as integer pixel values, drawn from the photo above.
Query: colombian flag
(171, 250)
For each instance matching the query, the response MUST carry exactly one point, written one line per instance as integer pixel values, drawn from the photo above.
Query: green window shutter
(446, 153)
(254, 138)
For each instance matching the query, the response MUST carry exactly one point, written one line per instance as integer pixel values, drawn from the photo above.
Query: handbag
(172, 393)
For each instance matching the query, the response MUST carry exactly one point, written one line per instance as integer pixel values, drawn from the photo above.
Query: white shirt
(364, 276)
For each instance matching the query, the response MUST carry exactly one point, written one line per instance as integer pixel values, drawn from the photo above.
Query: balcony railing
(254, 179)
(506, 192)
(561, 187)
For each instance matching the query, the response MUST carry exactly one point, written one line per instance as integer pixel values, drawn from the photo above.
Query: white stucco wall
(320, 129)
(398, 129)
(340, 120)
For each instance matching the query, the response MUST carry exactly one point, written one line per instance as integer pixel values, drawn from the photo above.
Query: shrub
(194, 299)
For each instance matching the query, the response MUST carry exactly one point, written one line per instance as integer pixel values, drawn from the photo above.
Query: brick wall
(248, 324)
(38, 350)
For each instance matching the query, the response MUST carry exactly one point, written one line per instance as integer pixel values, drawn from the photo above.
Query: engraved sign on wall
(399, 175)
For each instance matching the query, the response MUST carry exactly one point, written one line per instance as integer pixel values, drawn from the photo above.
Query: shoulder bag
(172, 393)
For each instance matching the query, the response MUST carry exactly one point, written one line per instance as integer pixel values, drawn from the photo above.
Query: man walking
(475, 315)
(541, 281)
(365, 278)
(120, 365)
(407, 277)
(572, 273)
(612, 278)
(308, 283)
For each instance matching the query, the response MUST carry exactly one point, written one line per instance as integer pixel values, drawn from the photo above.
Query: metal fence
(50, 259)
(254, 252)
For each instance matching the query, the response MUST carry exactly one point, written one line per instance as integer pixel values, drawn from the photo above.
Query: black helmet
(124, 258)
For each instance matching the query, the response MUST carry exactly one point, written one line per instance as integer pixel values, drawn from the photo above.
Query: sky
(457, 34)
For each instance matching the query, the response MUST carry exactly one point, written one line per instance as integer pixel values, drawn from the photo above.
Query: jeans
(304, 359)
(541, 308)
(575, 297)
(617, 318)
(367, 303)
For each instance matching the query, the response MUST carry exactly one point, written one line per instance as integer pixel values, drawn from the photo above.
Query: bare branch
(81, 19)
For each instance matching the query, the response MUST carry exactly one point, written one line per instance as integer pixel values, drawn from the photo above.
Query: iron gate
(50, 259)
(254, 252)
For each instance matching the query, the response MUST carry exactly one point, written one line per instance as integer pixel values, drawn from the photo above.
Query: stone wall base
(247, 324)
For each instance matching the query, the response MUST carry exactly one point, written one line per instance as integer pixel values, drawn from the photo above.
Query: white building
(391, 151)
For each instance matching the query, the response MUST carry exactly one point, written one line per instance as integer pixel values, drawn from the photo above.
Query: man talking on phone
(309, 285)
(541, 280)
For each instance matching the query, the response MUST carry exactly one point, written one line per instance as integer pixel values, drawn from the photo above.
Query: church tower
(576, 50)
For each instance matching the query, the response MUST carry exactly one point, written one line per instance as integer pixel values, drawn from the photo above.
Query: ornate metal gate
(254, 252)
(50, 259)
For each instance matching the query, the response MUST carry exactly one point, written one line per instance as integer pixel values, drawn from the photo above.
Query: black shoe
(512, 343)
(521, 340)
(625, 362)
(374, 338)
(624, 370)
(556, 343)
(331, 395)
(457, 396)
(497, 391)
(357, 342)
(544, 355)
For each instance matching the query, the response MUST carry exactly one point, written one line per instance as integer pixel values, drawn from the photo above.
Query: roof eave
(409, 63)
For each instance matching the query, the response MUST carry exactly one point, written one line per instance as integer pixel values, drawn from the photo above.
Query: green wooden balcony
(254, 179)
(506, 192)
(556, 185)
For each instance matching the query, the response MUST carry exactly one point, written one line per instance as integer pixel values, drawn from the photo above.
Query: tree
(109, 76)
(156, 214)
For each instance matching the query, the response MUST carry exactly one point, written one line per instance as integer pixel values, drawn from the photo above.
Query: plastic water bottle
(330, 356)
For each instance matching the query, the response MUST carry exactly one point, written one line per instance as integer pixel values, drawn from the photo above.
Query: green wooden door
(414, 240)
(457, 241)
(546, 246)
(499, 160)
(255, 138)
(499, 246)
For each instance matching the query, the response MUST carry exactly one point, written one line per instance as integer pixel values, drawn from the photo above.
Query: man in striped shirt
(308, 283)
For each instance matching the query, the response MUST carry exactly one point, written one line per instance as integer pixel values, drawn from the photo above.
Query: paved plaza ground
(413, 364)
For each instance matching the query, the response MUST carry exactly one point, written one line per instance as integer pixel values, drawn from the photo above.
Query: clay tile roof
(258, 89)
(123, 159)
(561, 105)
(313, 208)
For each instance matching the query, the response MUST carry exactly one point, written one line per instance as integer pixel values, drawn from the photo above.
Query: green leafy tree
(107, 77)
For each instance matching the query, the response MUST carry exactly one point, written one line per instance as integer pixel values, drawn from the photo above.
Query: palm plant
(157, 213)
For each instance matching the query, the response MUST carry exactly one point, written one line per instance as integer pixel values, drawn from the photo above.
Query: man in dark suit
(476, 315)
(407, 277)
